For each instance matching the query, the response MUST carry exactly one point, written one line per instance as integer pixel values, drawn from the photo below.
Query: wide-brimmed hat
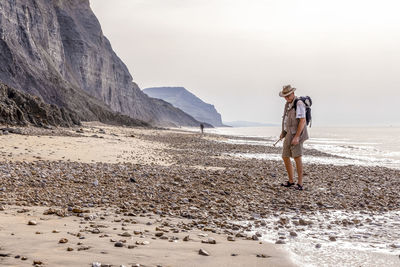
(287, 90)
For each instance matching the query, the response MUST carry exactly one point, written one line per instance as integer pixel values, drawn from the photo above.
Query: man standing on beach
(294, 130)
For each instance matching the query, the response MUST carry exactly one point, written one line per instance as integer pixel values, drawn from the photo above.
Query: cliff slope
(55, 49)
(18, 108)
(183, 99)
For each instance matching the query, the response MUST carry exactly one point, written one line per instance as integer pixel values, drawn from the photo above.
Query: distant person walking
(202, 128)
(294, 130)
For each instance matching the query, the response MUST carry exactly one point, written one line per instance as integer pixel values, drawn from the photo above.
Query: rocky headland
(183, 99)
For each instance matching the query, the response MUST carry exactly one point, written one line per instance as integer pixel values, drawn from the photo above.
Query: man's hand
(295, 140)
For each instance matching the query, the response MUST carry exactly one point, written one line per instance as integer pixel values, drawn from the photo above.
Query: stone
(186, 238)
(263, 256)
(332, 238)
(126, 234)
(118, 244)
(293, 234)
(230, 238)
(70, 249)
(280, 242)
(203, 252)
(212, 241)
(63, 241)
(318, 245)
(32, 222)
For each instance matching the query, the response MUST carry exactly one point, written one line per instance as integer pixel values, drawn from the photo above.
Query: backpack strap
(295, 102)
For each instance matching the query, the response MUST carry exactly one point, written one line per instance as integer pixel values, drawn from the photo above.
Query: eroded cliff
(55, 49)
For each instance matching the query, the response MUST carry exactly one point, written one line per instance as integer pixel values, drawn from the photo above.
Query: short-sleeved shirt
(300, 111)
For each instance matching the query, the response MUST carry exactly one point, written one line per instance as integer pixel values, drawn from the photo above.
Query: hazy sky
(237, 54)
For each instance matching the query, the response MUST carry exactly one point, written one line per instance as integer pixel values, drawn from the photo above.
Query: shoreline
(188, 177)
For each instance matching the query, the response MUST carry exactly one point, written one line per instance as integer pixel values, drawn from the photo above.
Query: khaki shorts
(289, 150)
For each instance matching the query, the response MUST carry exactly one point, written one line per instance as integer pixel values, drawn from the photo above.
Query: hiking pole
(277, 141)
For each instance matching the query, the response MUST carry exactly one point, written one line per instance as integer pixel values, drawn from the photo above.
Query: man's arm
(300, 128)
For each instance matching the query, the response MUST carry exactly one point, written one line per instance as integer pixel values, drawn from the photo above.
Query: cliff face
(55, 49)
(183, 99)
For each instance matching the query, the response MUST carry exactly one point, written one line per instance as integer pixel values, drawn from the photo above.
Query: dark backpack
(307, 102)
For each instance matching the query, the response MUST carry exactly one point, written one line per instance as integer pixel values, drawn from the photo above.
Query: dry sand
(39, 242)
(97, 143)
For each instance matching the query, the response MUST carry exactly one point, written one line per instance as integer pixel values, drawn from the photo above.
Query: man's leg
(299, 167)
(289, 168)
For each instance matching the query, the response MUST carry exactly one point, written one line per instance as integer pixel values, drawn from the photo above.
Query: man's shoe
(299, 187)
(287, 184)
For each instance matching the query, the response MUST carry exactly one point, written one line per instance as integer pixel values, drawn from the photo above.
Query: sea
(374, 243)
(364, 146)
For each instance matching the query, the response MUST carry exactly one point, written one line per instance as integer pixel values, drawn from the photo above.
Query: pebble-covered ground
(228, 188)
(203, 184)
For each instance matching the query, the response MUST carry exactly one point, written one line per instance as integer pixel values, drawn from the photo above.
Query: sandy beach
(69, 170)
(132, 196)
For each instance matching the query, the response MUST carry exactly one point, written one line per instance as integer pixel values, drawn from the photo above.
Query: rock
(96, 264)
(280, 242)
(95, 231)
(293, 234)
(318, 246)
(234, 254)
(203, 252)
(263, 256)
(186, 238)
(32, 222)
(132, 180)
(230, 238)
(254, 237)
(37, 262)
(159, 234)
(332, 238)
(118, 244)
(70, 249)
(24, 258)
(126, 234)
(212, 241)
(2, 208)
(63, 241)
